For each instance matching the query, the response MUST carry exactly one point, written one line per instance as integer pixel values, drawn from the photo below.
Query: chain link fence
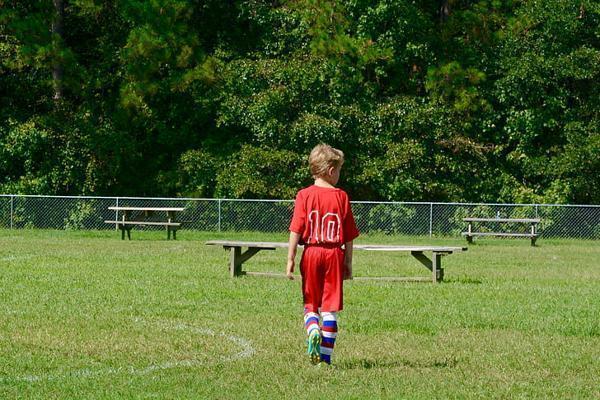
(420, 219)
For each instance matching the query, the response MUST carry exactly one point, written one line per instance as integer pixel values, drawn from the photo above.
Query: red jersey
(323, 216)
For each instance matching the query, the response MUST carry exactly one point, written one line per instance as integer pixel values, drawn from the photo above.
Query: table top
(372, 247)
(260, 245)
(382, 247)
(524, 220)
(168, 209)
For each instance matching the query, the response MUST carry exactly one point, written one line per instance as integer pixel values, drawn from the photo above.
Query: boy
(322, 222)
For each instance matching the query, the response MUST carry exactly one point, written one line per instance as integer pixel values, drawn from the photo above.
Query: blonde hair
(322, 157)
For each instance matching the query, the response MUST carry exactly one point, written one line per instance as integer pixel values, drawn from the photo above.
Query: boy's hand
(347, 271)
(289, 271)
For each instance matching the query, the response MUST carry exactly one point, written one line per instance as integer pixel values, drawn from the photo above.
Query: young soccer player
(323, 223)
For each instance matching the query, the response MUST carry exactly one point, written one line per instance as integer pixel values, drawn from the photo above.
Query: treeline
(437, 100)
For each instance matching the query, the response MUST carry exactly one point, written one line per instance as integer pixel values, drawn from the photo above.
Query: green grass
(86, 315)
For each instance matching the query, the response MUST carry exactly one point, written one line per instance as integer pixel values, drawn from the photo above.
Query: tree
(476, 100)
(57, 39)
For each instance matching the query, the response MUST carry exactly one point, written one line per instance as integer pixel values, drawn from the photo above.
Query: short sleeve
(299, 216)
(350, 229)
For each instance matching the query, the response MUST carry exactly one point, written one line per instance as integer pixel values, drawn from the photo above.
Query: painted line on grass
(246, 350)
(12, 257)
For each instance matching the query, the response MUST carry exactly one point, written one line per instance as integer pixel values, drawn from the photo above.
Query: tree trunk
(57, 42)
(444, 10)
(581, 11)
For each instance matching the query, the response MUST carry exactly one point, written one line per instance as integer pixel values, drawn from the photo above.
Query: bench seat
(143, 223)
(532, 236)
(125, 226)
(508, 234)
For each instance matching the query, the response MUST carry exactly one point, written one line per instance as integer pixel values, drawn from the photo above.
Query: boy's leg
(332, 295)
(313, 277)
(311, 323)
(329, 332)
(332, 302)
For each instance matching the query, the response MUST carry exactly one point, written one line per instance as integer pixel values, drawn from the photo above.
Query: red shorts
(322, 270)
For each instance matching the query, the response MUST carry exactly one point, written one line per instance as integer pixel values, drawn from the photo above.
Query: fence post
(117, 215)
(12, 199)
(536, 211)
(430, 219)
(219, 224)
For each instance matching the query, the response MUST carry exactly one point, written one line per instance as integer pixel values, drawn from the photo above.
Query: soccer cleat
(314, 346)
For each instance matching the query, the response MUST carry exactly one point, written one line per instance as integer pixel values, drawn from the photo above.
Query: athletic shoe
(314, 346)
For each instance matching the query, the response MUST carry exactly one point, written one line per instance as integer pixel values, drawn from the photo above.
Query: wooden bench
(237, 257)
(532, 234)
(142, 216)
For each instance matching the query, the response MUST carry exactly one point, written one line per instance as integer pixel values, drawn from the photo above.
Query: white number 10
(325, 229)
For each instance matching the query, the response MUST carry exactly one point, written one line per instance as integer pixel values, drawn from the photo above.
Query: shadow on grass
(467, 280)
(373, 364)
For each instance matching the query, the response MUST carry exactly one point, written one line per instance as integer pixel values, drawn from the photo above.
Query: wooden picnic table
(145, 216)
(237, 257)
(532, 234)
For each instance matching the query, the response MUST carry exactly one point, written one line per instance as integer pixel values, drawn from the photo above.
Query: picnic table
(531, 234)
(146, 216)
(238, 257)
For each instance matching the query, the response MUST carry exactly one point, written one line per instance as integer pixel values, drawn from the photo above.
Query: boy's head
(324, 161)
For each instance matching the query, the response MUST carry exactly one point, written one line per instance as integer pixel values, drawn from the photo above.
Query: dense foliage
(449, 100)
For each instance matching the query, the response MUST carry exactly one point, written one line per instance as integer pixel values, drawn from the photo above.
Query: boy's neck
(323, 183)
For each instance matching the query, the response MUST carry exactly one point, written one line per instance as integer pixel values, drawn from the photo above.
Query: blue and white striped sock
(311, 322)
(329, 332)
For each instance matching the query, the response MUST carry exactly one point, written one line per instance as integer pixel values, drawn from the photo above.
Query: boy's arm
(291, 262)
(348, 246)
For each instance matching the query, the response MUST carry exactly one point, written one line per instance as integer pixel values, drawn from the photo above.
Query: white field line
(12, 257)
(246, 350)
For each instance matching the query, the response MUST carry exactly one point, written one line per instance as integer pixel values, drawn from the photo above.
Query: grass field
(86, 315)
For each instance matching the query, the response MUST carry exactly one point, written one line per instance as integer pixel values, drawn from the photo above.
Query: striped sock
(311, 321)
(329, 334)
